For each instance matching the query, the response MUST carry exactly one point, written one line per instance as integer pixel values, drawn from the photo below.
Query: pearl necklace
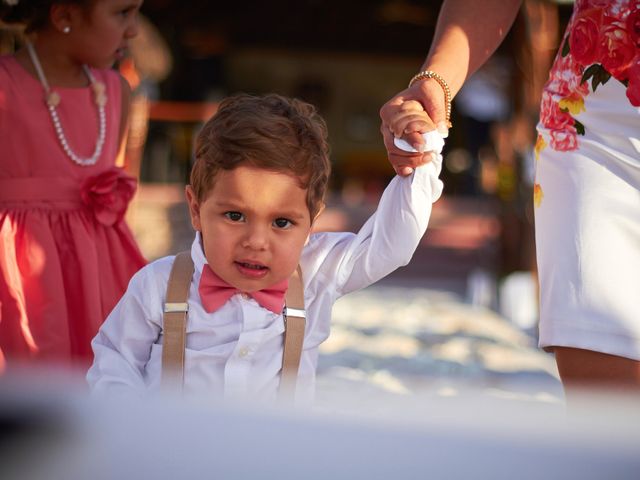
(52, 99)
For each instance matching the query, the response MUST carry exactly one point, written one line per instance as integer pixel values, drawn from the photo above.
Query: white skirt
(588, 227)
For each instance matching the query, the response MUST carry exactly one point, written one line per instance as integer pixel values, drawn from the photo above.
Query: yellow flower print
(574, 104)
(537, 194)
(540, 145)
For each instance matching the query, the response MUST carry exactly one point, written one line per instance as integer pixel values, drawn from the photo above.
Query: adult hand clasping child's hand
(409, 134)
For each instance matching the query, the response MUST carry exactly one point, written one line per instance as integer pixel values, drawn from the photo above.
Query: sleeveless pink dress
(587, 188)
(66, 254)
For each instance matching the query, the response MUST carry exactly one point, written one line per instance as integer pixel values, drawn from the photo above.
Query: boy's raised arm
(391, 235)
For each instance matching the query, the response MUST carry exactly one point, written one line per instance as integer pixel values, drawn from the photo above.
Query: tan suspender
(175, 320)
(175, 323)
(294, 324)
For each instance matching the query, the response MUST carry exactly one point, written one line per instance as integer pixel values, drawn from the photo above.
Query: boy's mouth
(252, 266)
(252, 270)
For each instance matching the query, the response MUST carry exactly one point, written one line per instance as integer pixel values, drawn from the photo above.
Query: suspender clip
(181, 307)
(294, 312)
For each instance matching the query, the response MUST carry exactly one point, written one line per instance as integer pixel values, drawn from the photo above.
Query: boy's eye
(234, 216)
(282, 223)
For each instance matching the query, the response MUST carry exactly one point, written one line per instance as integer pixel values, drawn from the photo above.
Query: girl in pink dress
(66, 254)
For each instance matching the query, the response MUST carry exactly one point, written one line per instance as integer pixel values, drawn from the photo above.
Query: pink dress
(66, 254)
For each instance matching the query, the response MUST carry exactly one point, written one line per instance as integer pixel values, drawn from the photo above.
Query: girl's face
(101, 32)
(254, 223)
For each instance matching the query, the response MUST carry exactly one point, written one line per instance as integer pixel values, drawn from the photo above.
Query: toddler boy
(257, 185)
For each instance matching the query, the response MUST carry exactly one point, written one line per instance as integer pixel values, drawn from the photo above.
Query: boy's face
(254, 223)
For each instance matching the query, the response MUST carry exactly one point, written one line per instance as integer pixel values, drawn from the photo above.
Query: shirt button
(243, 352)
(246, 296)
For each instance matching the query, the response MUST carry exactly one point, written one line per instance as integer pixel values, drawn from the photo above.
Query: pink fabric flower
(616, 50)
(108, 194)
(583, 40)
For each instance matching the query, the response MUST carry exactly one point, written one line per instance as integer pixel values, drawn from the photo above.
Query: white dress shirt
(237, 349)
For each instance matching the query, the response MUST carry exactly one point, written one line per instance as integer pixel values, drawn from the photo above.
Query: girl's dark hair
(33, 14)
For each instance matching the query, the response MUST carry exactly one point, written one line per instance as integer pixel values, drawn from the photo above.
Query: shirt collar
(197, 254)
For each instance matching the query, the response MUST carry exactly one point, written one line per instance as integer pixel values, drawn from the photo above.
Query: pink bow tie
(215, 292)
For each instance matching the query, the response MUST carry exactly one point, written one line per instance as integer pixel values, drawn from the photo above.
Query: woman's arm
(386, 241)
(467, 34)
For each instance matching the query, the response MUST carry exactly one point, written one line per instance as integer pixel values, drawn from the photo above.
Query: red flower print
(564, 140)
(616, 48)
(633, 24)
(633, 89)
(552, 117)
(603, 41)
(565, 76)
(583, 40)
(108, 194)
(560, 124)
(546, 107)
(595, 3)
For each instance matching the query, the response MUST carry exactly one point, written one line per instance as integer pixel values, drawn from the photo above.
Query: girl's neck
(59, 68)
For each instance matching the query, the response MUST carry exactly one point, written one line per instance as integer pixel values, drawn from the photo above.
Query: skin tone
(583, 369)
(460, 46)
(99, 34)
(254, 224)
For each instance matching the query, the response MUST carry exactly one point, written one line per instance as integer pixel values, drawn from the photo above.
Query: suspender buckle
(294, 312)
(181, 307)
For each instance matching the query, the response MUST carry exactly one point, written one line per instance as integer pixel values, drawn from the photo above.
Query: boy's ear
(194, 208)
(320, 210)
(313, 220)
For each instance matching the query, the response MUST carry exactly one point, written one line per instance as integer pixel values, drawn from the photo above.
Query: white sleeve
(390, 236)
(123, 344)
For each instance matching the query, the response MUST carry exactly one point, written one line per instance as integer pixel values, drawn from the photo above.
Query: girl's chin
(120, 54)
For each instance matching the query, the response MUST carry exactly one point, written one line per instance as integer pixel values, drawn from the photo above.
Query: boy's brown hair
(271, 132)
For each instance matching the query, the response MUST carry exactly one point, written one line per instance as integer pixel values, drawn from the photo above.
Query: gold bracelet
(445, 88)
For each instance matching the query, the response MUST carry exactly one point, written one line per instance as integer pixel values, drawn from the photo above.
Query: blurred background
(436, 368)
(348, 58)
(466, 307)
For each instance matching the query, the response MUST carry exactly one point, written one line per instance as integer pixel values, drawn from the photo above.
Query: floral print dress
(587, 186)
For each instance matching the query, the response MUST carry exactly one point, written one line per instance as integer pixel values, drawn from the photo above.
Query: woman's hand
(416, 110)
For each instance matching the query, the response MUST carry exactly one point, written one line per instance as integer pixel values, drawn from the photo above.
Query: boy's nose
(256, 238)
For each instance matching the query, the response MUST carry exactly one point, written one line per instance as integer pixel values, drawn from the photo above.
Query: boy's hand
(407, 121)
